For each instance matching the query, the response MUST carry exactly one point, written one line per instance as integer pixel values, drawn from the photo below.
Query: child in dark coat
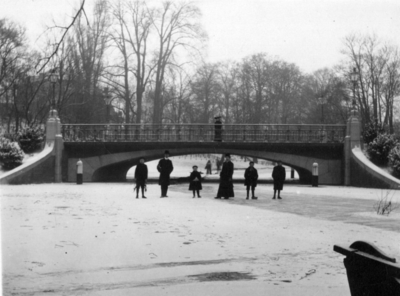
(141, 177)
(251, 177)
(195, 182)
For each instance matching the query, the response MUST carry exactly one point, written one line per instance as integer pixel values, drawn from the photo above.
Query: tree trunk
(139, 98)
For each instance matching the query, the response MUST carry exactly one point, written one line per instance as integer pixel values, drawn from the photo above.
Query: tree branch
(67, 28)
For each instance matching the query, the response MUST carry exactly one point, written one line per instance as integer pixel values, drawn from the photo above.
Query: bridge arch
(112, 161)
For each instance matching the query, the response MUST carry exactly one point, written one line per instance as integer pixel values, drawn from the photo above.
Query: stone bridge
(109, 151)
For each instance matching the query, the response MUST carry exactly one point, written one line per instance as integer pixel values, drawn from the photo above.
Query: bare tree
(177, 96)
(177, 27)
(12, 55)
(328, 99)
(33, 95)
(206, 92)
(131, 39)
(227, 77)
(64, 30)
(391, 87)
(87, 47)
(377, 64)
(243, 98)
(118, 74)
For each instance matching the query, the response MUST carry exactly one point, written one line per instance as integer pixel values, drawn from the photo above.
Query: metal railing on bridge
(273, 133)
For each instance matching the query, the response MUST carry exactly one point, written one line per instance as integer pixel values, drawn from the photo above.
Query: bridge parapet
(271, 133)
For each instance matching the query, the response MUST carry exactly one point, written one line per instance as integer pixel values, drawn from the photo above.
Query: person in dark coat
(195, 182)
(165, 168)
(225, 188)
(217, 129)
(141, 177)
(250, 179)
(208, 168)
(279, 176)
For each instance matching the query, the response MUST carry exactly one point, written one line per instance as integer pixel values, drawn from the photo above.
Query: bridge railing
(274, 133)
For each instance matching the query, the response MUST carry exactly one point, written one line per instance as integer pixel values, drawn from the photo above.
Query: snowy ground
(97, 239)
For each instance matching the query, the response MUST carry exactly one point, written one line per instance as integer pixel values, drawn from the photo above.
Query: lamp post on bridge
(53, 79)
(107, 99)
(353, 131)
(15, 94)
(354, 78)
(322, 101)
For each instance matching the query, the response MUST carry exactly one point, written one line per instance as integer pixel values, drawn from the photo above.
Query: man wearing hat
(165, 168)
(225, 188)
(218, 129)
(141, 177)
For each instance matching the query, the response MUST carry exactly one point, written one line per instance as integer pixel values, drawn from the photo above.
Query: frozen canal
(97, 239)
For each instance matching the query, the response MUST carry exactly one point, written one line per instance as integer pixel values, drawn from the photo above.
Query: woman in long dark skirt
(225, 188)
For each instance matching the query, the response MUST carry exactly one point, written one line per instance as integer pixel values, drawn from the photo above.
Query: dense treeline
(145, 61)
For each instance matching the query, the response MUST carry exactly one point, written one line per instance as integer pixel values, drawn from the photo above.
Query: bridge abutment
(352, 140)
(53, 135)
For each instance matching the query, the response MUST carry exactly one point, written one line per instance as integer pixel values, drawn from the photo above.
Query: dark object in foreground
(370, 271)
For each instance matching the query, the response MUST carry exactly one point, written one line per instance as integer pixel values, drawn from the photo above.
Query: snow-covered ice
(97, 239)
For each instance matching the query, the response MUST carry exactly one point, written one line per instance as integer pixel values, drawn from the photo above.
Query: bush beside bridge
(11, 155)
(384, 150)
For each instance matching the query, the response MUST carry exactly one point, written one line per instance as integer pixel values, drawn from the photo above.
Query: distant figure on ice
(217, 129)
(218, 164)
(208, 168)
(279, 176)
(225, 188)
(141, 177)
(251, 177)
(195, 182)
(165, 168)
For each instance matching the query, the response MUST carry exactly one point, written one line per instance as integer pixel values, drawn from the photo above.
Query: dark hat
(251, 162)
(217, 117)
(227, 155)
(195, 166)
(142, 158)
(166, 152)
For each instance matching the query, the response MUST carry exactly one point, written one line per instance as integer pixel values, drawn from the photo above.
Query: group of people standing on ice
(225, 189)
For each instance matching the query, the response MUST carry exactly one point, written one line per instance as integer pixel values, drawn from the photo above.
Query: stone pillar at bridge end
(352, 140)
(53, 135)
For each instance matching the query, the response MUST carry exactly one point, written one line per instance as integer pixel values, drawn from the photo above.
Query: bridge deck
(261, 133)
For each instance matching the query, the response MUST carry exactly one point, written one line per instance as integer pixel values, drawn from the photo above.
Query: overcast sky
(308, 33)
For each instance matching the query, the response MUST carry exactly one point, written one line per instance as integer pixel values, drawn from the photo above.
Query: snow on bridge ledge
(378, 175)
(33, 169)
